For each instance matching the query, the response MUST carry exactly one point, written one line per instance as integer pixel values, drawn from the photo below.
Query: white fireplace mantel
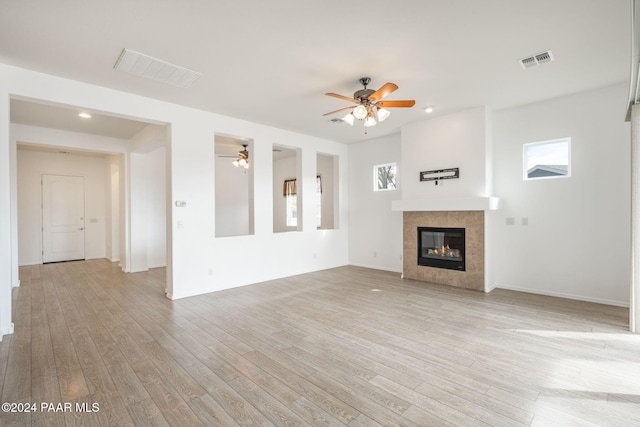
(447, 204)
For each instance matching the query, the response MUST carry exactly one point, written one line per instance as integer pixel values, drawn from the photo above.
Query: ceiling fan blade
(396, 104)
(383, 91)
(346, 98)
(337, 111)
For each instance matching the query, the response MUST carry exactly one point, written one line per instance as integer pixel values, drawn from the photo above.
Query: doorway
(62, 218)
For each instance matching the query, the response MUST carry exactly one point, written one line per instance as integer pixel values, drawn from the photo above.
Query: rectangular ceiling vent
(155, 69)
(539, 58)
(336, 120)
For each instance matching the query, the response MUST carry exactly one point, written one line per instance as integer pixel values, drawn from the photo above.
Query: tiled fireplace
(473, 274)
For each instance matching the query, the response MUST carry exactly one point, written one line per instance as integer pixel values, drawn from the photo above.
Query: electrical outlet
(375, 254)
(511, 221)
(525, 221)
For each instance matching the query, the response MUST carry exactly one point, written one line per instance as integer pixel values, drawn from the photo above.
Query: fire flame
(442, 250)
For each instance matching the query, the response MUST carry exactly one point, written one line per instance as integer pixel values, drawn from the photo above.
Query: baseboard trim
(488, 289)
(561, 295)
(7, 331)
(157, 266)
(377, 267)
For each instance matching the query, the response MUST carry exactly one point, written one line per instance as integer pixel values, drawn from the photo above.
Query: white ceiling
(272, 62)
(65, 118)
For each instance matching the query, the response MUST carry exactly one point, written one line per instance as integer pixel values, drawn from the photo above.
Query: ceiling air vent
(336, 120)
(538, 58)
(155, 69)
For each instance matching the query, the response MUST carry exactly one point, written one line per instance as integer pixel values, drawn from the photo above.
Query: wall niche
(233, 186)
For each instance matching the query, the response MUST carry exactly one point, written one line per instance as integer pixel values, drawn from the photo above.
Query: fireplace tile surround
(472, 221)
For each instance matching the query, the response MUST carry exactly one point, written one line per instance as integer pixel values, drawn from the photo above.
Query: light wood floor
(348, 346)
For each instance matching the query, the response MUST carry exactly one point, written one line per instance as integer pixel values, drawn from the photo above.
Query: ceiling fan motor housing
(363, 94)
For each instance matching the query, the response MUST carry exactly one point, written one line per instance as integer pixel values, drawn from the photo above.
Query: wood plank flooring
(341, 347)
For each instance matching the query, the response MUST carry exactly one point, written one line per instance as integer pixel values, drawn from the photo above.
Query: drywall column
(6, 327)
(137, 213)
(634, 300)
(112, 178)
(13, 182)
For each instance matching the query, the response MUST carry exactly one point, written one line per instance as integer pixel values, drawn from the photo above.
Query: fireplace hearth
(441, 247)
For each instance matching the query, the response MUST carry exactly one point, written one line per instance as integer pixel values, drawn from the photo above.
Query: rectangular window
(291, 199)
(292, 210)
(318, 201)
(547, 159)
(384, 177)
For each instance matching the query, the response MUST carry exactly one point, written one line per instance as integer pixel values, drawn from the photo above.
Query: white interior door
(62, 218)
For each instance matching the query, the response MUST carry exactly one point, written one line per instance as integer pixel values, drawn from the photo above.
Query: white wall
(92, 144)
(374, 227)
(147, 184)
(31, 166)
(137, 214)
(113, 172)
(200, 262)
(577, 243)
(458, 140)
(156, 208)
(8, 223)
(570, 220)
(205, 263)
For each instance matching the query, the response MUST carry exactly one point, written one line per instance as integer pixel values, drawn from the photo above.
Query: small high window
(547, 159)
(384, 177)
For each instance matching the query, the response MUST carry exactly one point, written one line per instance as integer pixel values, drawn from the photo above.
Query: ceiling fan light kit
(241, 162)
(349, 119)
(383, 113)
(243, 158)
(369, 104)
(360, 112)
(370, 121)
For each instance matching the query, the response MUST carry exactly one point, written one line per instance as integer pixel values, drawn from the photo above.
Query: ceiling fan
(242, 159)
(369, 104)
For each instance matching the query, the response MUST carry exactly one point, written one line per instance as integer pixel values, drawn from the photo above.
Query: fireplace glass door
(441, 247)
